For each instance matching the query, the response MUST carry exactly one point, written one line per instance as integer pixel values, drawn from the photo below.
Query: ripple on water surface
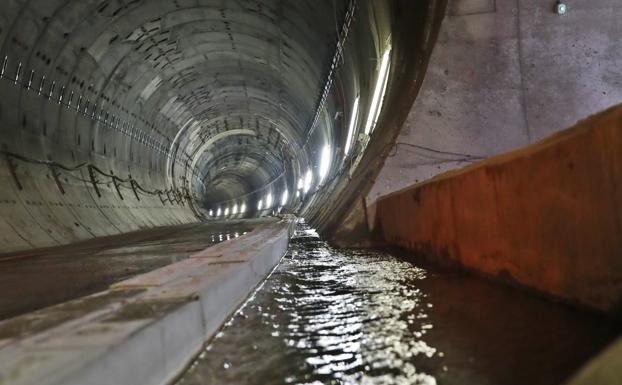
(327, 316)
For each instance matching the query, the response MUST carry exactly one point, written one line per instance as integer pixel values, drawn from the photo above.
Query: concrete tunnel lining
(121, 115)
(139, 89)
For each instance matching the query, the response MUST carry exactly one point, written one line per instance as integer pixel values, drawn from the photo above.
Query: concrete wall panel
(548, 216)
(504, 74)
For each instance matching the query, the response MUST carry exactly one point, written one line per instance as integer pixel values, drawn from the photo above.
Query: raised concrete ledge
(604, 369)
(144, 330)
(547, 217)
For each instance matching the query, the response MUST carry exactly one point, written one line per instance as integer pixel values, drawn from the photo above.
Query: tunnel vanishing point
(479, 135)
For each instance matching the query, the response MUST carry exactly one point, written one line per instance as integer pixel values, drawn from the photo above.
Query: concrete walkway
(143, 330)
(31, 280)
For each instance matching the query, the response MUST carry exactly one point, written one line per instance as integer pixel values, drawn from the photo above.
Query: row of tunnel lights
(305, 183)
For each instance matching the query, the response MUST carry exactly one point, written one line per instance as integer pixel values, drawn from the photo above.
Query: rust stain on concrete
(548, 215)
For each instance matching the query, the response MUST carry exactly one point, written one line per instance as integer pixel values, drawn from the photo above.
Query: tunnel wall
(413, 30)
(207, 105)
(504, 74)
(548, 216)
(55, 148)
(35, 212)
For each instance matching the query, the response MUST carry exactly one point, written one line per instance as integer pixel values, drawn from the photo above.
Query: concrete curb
(604, 369)
(152, 326)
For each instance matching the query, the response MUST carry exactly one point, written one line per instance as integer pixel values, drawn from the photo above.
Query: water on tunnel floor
(328, 316)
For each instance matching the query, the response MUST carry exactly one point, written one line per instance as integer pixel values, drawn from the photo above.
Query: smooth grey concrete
(143, 330)
(39, 278)
(504, 74)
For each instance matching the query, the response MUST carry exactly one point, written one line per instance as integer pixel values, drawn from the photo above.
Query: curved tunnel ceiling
(235, 81)
(151, 112)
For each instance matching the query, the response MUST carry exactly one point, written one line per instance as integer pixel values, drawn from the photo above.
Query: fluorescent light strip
(381, 86)
(308, 181)
(353, 119)
(325, 162)
(285, 197)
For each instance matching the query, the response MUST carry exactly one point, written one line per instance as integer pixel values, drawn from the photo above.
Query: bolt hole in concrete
(329, 316)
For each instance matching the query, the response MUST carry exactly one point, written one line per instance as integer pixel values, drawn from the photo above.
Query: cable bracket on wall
(57, 169)
(133, 184)
(56, 176)
(115, 181)
(94, 180)
(12, 167)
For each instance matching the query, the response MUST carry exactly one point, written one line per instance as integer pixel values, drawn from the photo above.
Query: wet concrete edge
(155, 324)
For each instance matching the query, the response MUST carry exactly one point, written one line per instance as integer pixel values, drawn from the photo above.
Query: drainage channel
(329, 316)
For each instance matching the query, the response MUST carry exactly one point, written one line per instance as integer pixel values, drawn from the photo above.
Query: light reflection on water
(221, 237)
(326, 317)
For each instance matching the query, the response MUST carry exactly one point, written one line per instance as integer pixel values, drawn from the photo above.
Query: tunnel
(387, 189)
(130, 115)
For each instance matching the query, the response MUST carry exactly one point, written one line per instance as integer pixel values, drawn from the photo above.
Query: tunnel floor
(327, 316)
(32, 280)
